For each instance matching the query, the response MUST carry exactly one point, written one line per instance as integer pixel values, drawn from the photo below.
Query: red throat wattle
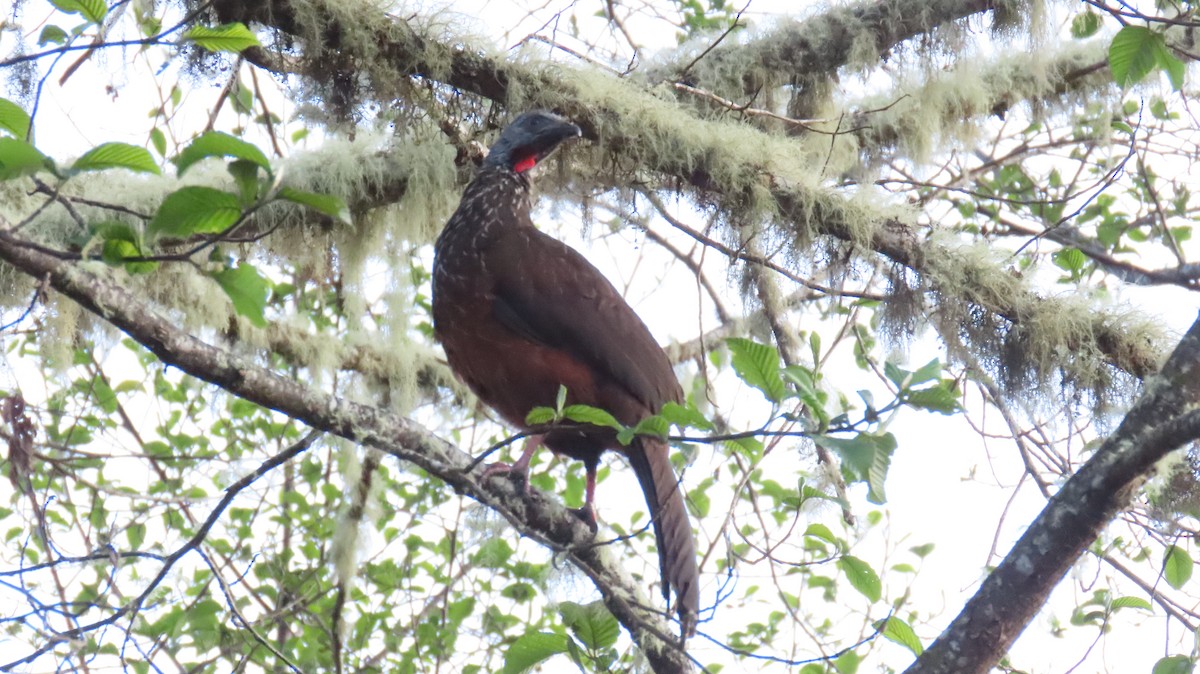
(525, 163)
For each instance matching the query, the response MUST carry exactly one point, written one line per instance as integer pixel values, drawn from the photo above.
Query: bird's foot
(510, 471)
(587, 516)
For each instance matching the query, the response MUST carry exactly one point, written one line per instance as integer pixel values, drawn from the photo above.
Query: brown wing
(562, 301)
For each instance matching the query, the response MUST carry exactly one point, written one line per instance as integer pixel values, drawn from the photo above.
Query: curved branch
(548, 522)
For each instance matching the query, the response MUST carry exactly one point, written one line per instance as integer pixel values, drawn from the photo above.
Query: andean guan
(520, 314)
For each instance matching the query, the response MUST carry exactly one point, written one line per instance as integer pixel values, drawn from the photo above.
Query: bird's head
(528, 140)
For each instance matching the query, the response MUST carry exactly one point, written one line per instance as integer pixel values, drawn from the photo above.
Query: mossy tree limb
(547, 522)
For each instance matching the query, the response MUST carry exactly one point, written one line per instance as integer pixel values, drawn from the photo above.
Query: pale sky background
(947, 485)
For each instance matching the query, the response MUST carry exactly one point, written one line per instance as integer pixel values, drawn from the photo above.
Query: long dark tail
(672, 527)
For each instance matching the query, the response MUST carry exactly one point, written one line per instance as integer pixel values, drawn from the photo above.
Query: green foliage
(248, 291)
(18, 158)
(1174, 664)
(195, 210)
(229, 37)
(219, 144)
(1136, 51)
(116, 155)
(92, 10)
(758, 365)
(1177, 566)
(14, 120)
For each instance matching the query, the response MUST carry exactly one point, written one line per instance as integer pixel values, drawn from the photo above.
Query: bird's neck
(496, 201)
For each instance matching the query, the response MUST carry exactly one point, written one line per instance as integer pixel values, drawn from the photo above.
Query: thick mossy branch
(763, 180)
(927, 113)
(855, 35)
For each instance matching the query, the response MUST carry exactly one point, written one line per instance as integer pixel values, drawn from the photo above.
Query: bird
(520, 315)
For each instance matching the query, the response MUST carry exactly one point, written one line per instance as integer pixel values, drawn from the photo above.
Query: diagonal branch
(547, 522)
(1164, 418)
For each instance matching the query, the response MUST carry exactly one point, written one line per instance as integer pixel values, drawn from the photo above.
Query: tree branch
(1164, 418)
(532, 515)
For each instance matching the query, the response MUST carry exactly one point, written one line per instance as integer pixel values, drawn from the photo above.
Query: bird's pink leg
(520, 469)
(587, 513)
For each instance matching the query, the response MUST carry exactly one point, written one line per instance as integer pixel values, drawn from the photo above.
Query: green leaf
(330, 205)
(92, 10)
(159, 140)
(1131, 602)
(229, 37)
(247, 290)
(540, 415)
(116, 155)
(195, 210)
(1069, 259)
(1174, 664)
(531, 649)
(1085, 25)
(654, 426)
(220, 144)
(52, 35)
(18, 158)
(865, 458)
(758, 365)
(861, 576)
(586, 414)
(942, 398)
(136, 533)
(898, 631)
(685, 416)
(1133, 54)
(245, 175)
(1170, 64)
(493, 553)
(591, 623)
(1177, 566)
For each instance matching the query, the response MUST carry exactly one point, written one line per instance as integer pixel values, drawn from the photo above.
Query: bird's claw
(501, 469)
(587, 516)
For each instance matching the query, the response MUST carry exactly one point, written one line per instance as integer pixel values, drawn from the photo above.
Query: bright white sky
(946, 485)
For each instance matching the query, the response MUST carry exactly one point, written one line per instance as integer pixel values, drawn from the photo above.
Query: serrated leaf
(654, 426)
(229, 37)
(865, 458)
(818, 530)
(758, 365)
(195, 210)
(685, 416)
(52, 35)
(861, 576)
(1177, 566)
(219, 144)
(592, 624)
(92, 10)
(900, 632)
(18, 158)
(247, 290)
(1131, 602)
(540, 415)
(1085, 25)
(586, 414)
(530, 649)
(324, 203)
(245, 175)
(116, 155)
(136, 533)
(1069, 259)
(1133, 54)
(1174, 664)
(942, 398)
(14, 119)
(159, 140)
